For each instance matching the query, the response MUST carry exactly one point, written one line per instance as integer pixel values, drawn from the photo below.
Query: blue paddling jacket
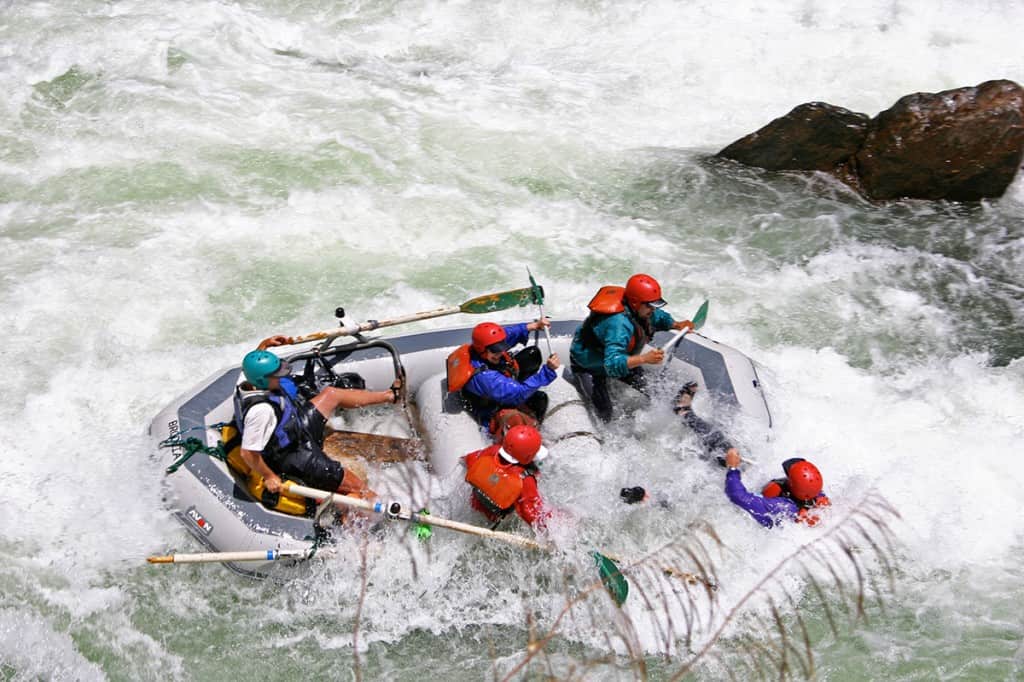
(498, 390)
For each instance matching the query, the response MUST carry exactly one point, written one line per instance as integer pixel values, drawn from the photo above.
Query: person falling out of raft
(501, 390)
(504, 478)
(283, 434)
(793, 498)
(610, 341)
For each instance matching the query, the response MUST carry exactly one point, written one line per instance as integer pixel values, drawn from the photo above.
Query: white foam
(402, 158)
(24, 635)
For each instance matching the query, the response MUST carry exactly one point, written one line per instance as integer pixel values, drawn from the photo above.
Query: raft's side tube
(450, 429)
(567, 417)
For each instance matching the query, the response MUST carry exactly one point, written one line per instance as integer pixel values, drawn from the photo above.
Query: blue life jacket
(288, 431)
(289, 387)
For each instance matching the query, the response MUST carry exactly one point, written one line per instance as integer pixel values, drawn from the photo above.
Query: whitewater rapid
(179, 180)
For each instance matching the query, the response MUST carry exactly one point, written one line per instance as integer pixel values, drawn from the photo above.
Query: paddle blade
(536, 290)
(489, 303)
(700, 316)
(612, 578)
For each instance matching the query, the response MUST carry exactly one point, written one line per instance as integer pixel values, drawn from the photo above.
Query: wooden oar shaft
(398, 511)
(214, 557)
(373, 324)
(510, 538)
(488, 303)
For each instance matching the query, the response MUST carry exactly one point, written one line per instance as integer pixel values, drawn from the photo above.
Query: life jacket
(287, 432)
(496, 485)
(608, 301)
(459, 368)
(289, 503)
(478, 404)
(505, 418)
(779, 487)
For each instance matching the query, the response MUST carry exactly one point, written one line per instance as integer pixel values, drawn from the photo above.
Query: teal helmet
(260, 365)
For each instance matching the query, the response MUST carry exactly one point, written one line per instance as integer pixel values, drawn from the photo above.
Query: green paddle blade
(612, 578)
(537, 291)
(489, 303)
(700, 316)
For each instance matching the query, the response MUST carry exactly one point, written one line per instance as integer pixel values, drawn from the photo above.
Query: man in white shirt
(283, 434)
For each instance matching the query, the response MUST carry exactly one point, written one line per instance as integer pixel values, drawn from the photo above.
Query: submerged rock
(964, 144)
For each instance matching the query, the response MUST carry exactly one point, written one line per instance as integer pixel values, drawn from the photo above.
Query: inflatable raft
(411, 452)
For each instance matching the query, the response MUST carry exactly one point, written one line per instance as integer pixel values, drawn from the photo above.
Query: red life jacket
(608, 301)
(496, 484)
(779, 487)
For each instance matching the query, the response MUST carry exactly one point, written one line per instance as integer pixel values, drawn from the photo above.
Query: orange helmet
(488, 334)
(804, 479)
(643, 289)
(522, 445)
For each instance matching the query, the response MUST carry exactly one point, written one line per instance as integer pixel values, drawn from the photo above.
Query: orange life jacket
(505, 419)
(495, 484)
(460, 369)
(779, 487)
(608, 301)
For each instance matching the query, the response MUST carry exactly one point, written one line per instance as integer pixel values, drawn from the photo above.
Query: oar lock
(368, 326)
(395, 510)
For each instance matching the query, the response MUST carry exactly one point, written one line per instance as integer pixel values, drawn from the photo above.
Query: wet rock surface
(814, 136)
(964, 144)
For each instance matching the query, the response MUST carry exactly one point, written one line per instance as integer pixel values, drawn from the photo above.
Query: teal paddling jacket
(613, 333)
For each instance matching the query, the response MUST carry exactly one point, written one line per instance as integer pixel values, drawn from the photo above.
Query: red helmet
(488, 334)
(522, 445)
(643, 289)
(804, 479)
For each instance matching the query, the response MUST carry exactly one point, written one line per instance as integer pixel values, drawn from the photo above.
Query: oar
(488, 303)
(611, 577)
(538, 298)
(213, 557)
(396, 510)
(698, 321)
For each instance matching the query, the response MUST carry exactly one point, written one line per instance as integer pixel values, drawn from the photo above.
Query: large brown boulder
(964, 144)
(814, 136)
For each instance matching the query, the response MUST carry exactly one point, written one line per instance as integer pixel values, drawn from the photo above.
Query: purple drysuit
(768, 511)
